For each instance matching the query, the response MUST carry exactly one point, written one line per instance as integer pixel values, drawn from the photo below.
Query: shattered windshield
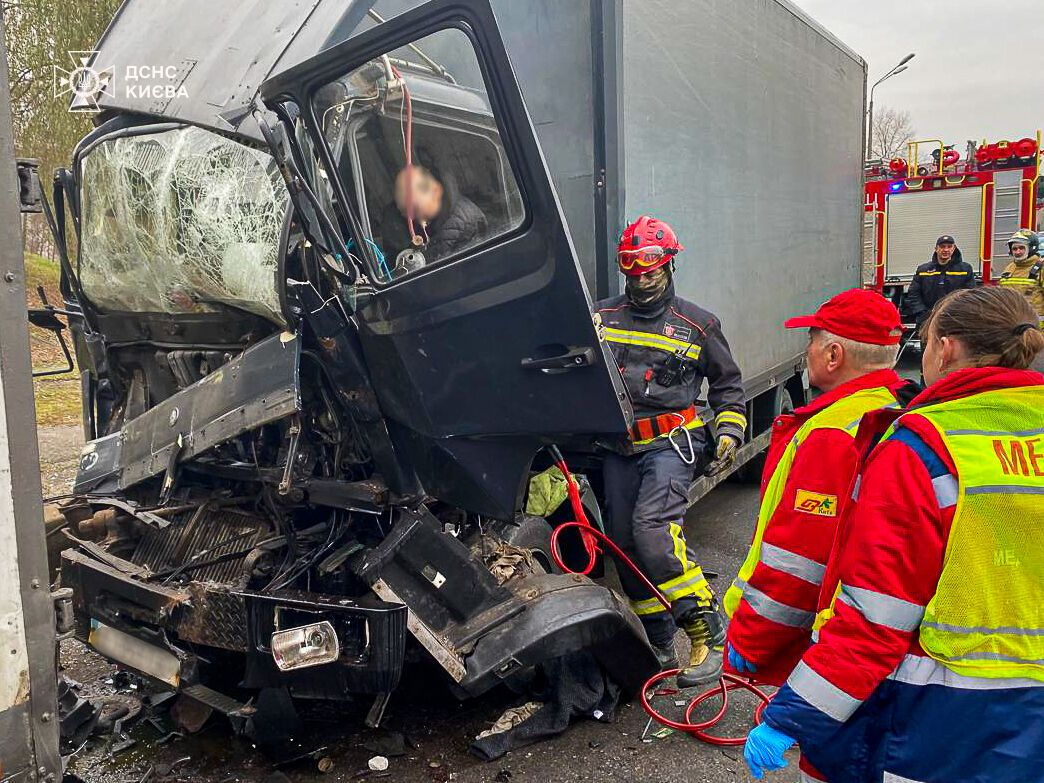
(181, 221)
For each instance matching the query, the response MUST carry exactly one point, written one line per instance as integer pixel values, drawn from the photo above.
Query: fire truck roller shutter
(915, 220)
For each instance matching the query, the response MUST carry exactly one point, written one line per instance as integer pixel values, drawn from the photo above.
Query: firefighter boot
(706, 631)
(666, 656)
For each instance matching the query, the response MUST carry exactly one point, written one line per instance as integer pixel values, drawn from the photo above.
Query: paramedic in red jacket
(929, 667)
(812, 458)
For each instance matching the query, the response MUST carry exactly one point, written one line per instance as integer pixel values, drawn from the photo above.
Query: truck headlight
(304, 646)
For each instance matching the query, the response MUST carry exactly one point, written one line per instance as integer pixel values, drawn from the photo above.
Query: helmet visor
(641, 258)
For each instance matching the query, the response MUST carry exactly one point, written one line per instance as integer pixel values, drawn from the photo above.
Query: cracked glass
(181, 221)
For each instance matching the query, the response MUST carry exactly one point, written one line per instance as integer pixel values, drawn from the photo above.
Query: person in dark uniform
(947, 271)
(430, 220)
(665, 347)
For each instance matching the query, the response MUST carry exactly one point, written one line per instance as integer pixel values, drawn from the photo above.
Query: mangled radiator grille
(207, 545)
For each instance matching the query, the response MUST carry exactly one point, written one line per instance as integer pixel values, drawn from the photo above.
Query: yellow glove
(724, 454)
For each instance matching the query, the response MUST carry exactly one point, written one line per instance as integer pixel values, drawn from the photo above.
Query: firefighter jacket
(932, 281)
(921, 674)
(664, 353)
(1026, 276)
(811, 461)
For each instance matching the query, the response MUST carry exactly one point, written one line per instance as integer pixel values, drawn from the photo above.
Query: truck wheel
(532, 533)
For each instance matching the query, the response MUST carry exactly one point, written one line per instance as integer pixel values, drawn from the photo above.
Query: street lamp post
(899, 68)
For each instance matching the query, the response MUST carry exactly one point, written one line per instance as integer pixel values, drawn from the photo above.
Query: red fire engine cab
(981, 200)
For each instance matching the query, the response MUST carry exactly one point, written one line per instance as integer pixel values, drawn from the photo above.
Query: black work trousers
(646, 499)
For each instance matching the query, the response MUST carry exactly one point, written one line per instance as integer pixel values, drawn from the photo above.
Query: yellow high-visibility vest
(844, 415)
(986, 618)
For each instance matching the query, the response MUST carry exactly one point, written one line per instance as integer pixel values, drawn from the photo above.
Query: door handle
(571, 359)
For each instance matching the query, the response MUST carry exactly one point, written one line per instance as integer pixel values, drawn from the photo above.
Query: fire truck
(980, 199)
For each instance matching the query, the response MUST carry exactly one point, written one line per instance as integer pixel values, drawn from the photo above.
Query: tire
(532, 533)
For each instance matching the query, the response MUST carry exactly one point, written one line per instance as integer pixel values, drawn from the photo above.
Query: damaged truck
(312, 409)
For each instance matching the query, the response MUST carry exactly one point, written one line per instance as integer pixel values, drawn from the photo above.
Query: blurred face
(1018, 250)
(425, 192)
(944, 252)
(825, 360)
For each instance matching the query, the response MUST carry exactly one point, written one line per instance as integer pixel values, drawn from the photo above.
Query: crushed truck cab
(312, 409)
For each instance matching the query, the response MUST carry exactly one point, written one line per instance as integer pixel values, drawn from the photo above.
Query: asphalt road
(438, 729)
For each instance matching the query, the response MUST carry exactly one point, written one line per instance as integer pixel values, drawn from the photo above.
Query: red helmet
(645, 245)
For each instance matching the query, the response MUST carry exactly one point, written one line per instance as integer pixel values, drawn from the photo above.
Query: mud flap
(481, 632)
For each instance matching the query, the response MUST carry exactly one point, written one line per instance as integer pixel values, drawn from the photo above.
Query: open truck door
(478, 332)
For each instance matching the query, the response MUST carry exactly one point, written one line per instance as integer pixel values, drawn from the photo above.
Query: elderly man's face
(425, 192)
(1018, 250)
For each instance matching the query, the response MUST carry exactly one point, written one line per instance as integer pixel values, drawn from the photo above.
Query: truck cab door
(479, 332)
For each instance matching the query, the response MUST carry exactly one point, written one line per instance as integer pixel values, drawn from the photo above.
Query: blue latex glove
(739, 663)
(765, 748)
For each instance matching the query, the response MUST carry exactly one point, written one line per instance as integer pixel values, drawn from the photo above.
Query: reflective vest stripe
(881, 609)
(921, 670)
(984, 629)
(821, 693)
(991, 656)
(796, 565)
(650, 340)
(843, 415)
(1003, 489)
(997, 433)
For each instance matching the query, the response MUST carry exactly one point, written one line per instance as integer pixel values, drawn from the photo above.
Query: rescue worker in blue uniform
(665, 347)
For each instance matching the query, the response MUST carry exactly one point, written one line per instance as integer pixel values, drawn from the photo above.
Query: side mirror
(29, 194)
(46, 318)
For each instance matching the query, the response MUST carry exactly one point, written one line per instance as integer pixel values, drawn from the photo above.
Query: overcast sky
(979, 69)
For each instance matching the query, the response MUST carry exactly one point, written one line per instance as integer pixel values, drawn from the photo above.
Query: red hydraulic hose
(727, 682)
(573, 490)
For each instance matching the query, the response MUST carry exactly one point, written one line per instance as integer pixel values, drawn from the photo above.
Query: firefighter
(946, 272)
(665, 346)
(928, 662)
(1024, 271)
(812, 458)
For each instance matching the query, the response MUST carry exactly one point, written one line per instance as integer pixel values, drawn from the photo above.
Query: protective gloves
(724, 454)
(739, 663)
(765, 748)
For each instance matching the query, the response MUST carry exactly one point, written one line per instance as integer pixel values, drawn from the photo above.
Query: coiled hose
(590, 536)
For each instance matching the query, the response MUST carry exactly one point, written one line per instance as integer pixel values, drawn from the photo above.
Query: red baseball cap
(858, 314)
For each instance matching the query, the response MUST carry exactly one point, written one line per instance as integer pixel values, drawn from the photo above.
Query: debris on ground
(564, 688)
(378, 763)
(512, 717)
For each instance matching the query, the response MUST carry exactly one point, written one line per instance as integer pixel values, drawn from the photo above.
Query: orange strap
(655, 426)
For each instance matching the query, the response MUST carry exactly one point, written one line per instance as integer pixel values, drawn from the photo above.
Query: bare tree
(892, 132)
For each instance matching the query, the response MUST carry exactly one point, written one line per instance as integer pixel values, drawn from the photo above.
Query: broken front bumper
(159, 631)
